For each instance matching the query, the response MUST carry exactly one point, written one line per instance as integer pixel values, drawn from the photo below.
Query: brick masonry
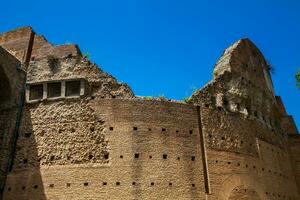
(232, 140)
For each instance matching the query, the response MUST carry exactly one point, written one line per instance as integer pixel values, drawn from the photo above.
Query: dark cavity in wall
(54, 90)
(36, 92)
(72, 88)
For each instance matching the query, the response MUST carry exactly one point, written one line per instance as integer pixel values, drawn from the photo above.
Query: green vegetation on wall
(86, 55)
(298, 78)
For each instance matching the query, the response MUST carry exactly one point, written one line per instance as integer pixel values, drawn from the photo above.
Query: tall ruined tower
(79, 134)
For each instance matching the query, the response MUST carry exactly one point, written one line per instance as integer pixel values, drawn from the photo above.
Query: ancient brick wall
(254, 165)
(18, 43)
(293, 139)
(129, 148)
(12, 78)
(233, 141)
(246, 129)
(99, 84)
(230, 134)
(294, 149)
(11, 89)
(146, 143)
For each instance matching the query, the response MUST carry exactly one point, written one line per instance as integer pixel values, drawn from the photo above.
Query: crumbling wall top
(17, 42)
(15, 34)
(246, 60)
(61, 51)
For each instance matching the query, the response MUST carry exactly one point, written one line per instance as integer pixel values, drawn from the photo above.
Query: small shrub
(162, 98)
(187, 99)
(271, 68)
(148, 98)
(298, 78)
(86, 55)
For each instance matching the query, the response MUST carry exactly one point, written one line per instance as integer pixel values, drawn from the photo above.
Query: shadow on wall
(237, 187)
(5, 91)
(4, 98)
(24, 181)
(6, 127)
(243, 193)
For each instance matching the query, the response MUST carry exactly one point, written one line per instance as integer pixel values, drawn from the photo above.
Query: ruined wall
(242, 83)
(294, 149)
(230, 143)
(245, 130)
(12, 80)
(240, 156)
(45, 62)
(85, 145)
(129, 148)
(18, 43)
(100, 84)
(293, 139)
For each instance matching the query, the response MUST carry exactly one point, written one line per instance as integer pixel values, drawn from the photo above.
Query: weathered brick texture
(233, 140)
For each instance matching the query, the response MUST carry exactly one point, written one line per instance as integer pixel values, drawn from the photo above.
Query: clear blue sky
(162, 47)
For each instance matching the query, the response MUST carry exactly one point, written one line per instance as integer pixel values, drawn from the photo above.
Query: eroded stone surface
(233, 141)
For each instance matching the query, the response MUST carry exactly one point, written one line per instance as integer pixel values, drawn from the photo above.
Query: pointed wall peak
(240, 54)
(244, 59)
